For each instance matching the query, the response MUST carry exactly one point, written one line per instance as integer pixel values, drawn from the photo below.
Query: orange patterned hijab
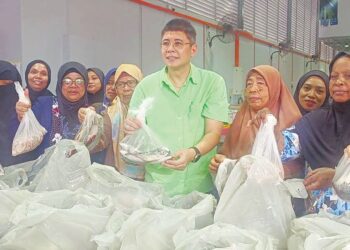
(281, 104)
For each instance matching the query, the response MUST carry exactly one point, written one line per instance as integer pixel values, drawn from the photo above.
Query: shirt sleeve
(291, 148)
(216, 107)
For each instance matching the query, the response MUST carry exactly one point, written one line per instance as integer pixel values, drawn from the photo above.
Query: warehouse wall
(107, 33)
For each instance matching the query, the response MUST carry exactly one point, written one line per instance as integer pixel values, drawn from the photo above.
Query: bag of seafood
(30, 133)
(143, 146)
(91, 129)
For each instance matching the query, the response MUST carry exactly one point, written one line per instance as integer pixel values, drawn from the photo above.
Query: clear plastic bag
(92, 127)
(65, 168)
(143, 146)
(341, 180)
(254, 197)
(30, 133)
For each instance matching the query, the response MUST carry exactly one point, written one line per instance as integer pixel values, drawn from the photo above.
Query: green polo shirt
(178, 119)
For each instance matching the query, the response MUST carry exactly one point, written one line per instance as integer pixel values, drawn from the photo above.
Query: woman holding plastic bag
(63, 116)
(323, 136)
(265, 92)
(126, 77)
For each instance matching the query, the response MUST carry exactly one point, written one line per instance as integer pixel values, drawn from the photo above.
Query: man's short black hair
(183, 25)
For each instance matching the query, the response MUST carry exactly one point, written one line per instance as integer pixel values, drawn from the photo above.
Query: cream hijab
(118, 110)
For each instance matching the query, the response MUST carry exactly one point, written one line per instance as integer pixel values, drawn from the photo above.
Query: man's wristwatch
(197, 155)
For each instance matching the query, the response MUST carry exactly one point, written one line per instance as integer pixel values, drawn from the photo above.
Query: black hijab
(301, 82)
(324, 133)
(8, 99)
(98, 96)
(33, 95)
(70, 109)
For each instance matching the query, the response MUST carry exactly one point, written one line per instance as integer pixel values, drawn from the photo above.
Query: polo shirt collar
(194, 76)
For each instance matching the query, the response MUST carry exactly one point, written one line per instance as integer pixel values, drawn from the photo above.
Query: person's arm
(321, 178)
(215, 162)
(210, 139)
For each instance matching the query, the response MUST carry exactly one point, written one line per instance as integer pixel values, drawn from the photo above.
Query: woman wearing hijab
(8, 98)
(95, 90)
(127, 76)
(109, 88)
(325, 133)
(60, 116)
(38, 78)
(265, 90)
(312, 91)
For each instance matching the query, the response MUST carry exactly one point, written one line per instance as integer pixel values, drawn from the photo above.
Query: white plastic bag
(58, 220)
(65, 169)
(91, 129)
(143, 146)
(320, 231)
(254, 197)
(224, 171)
(223, 236)
(127, 194)
(341, 180)
(30, 133)
(154, 229)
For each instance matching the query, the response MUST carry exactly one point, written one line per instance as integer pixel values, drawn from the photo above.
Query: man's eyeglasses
(130, 84)
(178, 45)
(69, 82)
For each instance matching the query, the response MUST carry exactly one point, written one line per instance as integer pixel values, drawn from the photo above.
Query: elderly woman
(325, 133)
(62, 116)
(95, 89)
(312, 91)
(8, 98)
(38, 78)
(127, 76)
(265, 90)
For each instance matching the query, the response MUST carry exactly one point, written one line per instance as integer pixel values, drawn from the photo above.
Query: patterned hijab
(33, 95)
(98, 96)
(240, 138)
(301, 82)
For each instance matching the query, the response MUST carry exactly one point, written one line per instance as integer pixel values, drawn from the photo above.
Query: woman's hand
(22, 107)
(319, 178)
(82, 113)
(131, 125)
(215, 162)
(259, 117)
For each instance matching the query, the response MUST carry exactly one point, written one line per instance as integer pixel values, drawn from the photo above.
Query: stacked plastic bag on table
(30, 133)
(254, 197)
(320, 231)
(143, 146)
(61, 201)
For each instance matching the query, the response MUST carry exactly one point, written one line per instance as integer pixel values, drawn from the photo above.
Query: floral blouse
(326, 199)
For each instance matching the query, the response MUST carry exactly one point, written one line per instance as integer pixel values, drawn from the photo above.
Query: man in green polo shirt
(188, 111)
